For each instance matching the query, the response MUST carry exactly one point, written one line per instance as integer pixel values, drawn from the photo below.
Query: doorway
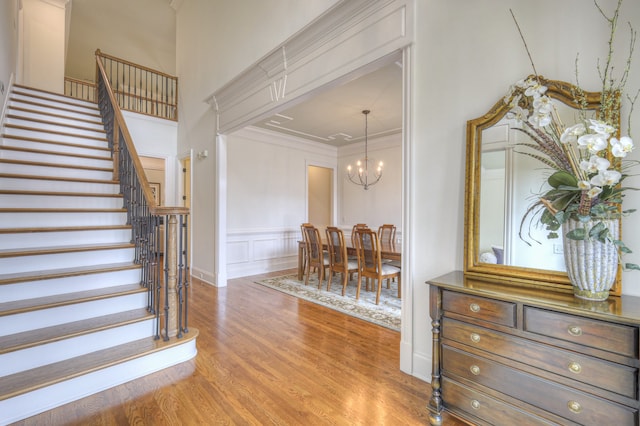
(320, 196)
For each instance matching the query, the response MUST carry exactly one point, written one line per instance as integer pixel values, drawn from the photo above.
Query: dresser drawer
(561, 400)
(495, 311)
(616, 338)
(493, 411)
(610, 376)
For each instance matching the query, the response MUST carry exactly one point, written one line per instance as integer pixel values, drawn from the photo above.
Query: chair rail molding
(350, 39)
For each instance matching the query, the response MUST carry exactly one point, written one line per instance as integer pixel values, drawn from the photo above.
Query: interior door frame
(334, 188)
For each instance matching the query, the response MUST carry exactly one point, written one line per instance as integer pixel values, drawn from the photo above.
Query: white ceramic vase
(591, 265)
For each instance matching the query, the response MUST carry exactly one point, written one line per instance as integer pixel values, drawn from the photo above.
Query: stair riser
(53, 100)
(56, 117)
(42, 318)
(45, 127)
(31, 220)
(42, 107)
(56, 171)
(54, 286)
(52, 239)
(49, 201)
(22, 360)
(96, 151)
(54, 137)
(56, 185)
(11, 265)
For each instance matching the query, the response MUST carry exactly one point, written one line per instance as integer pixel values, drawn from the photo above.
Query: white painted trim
(5, 106)
(351, 35)
(220, 219)
(286, 141)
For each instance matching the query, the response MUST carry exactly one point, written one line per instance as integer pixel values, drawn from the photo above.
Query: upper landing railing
(135, 87)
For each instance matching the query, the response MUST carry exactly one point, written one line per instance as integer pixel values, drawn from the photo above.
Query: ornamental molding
(345, 40)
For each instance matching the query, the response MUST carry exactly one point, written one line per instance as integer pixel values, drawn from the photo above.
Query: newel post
(171, 292)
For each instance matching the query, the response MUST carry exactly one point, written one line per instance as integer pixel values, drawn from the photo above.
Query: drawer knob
(475, 370)
(575, 367)
(475, 404)
(574, 406)
(574, 330)
(474, 307)
(475, 337)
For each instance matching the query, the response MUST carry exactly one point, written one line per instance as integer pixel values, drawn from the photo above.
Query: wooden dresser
(509, 355)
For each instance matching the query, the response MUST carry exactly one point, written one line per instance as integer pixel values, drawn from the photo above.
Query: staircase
(73, 317)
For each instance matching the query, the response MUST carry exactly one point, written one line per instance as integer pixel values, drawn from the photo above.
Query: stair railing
(147, 219)
(141, 89)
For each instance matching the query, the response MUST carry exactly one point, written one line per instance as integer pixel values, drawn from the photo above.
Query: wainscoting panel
(251, 252)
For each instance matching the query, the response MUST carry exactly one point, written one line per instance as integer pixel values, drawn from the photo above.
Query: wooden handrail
(147, 219)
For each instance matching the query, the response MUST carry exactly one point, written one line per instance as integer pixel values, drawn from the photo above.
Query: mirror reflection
(502, 183)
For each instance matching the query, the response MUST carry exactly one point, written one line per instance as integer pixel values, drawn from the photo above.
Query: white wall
(43, 39)
(154, 137)
(381, 203)
(465, 55)
(8, 47)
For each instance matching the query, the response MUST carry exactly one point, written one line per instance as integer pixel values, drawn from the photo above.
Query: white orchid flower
(594, 191)
(601, 127)
(606, 178)
(593, 142)
(572, 133)
(543, 104)
(535, 89)
(540, 119)
(584, 185)
(518, 114)
(595, 164)
(620, 148)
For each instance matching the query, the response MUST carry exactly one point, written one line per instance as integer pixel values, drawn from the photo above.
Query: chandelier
(360, 175)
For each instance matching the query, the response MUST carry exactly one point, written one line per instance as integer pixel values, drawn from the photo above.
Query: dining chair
(371, 266)
(305, 252)
(316, 256)
(354, 239)
(387, 234)
(339, 262)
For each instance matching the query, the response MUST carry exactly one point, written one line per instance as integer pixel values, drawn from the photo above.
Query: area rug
(386, 314)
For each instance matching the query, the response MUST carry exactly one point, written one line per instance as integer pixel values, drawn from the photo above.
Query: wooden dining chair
(316, 256)
(354, 239)
(339, 262)
(305, 252)
(371, 266)
(387, 234)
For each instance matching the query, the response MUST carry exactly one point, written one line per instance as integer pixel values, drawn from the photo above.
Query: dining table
(388, 251)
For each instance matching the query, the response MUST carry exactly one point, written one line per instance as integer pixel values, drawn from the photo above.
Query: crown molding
(349, 36)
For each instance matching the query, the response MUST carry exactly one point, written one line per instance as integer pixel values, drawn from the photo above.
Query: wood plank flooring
(265, 357)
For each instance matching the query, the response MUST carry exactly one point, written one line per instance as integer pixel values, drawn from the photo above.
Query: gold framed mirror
(501, 183)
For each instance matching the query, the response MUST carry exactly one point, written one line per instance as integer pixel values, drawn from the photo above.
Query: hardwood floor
(265, 357)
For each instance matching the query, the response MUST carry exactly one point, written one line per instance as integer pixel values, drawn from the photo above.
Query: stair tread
(54, 132)
(15, 252)
(53, 97)
(26, 305)
(65, 272)
(51, 114)
(57, 193)
(54, 333)
(90, 111)
(26, 381)
(61, 178)
(54, 123)
(58, 165)
(63, 229)
(51, 142)
(59, 153)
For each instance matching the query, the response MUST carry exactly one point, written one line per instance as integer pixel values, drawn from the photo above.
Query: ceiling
(335, 117)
